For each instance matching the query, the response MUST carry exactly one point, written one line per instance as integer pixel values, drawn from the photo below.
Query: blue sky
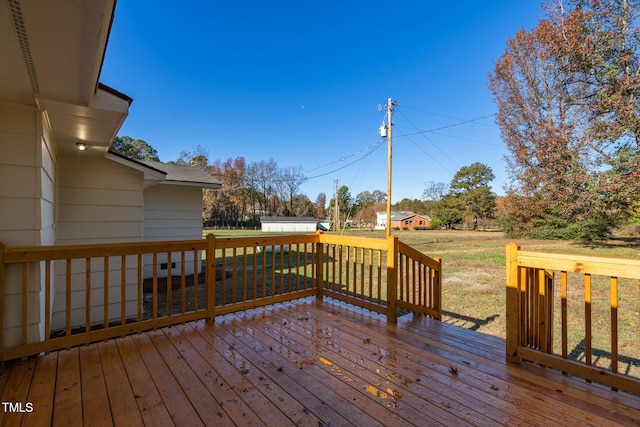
(301, 81)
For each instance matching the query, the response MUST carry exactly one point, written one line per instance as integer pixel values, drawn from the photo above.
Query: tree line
(263, 188)
(249, 189)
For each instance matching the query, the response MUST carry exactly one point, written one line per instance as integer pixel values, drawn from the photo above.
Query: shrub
(436, 224)
(553, 228)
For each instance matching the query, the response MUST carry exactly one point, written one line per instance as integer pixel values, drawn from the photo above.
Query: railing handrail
(60, 252)
(364, 242)
(586, 264)
(418, 256)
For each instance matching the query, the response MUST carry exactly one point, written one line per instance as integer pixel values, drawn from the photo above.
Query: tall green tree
(471, 186)
(135, 149)
(345, 201)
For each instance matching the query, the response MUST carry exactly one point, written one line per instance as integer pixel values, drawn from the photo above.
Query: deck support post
(210, 275)
(513, 304)
(392, 279)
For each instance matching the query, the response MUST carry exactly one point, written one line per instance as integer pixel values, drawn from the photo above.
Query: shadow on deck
(305, 362)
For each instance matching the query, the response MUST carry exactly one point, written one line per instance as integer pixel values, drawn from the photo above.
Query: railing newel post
(513, 304)
(392, 279)
(319, 265)
(210, 275)
(438, 290)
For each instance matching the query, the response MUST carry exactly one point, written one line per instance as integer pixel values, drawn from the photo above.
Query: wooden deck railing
(535, 280)
(60, 296)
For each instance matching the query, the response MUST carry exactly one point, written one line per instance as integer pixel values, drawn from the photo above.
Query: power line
(343, 158)
(451, 117)
(451, 126)
(427, 153)
(432, 143)
(375, 147)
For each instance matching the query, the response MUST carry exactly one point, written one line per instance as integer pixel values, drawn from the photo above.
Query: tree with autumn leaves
(568, 96)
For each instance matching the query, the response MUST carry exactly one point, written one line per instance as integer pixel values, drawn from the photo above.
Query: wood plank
(150, 404)
(226, 396)
(67, 406)
(225, 375)
(95, 401)
(124, 408)
(41, 393)
(298, 401)
(174, 399)
(209, 411)
(16, 391)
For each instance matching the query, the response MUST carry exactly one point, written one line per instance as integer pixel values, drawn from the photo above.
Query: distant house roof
(402, 215)
(287, 219)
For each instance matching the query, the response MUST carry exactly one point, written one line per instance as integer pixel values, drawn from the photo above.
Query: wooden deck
(308, 362)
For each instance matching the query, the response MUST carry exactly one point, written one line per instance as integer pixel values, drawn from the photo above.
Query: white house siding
(172, 212)
(99, 201)
(381, 220)
(27, 181)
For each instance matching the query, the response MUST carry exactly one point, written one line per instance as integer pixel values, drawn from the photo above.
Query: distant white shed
(302, 224)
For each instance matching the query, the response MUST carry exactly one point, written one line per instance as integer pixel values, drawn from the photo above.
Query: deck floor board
(309, 362)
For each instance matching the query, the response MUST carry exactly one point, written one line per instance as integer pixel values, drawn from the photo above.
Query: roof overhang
(51, 53)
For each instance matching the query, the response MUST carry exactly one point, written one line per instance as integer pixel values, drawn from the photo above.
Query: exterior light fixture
(81, 146)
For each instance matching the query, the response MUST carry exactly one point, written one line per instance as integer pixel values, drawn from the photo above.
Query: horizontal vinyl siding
(172, 213)
(19, 170)
(99, 201)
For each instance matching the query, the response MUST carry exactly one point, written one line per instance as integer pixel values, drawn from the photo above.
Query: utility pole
(336, 210)
(389, 162)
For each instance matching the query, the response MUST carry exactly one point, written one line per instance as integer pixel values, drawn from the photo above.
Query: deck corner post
(210, 275)
(3, 290)
(392, 279)
(437, 291)
(512, 304)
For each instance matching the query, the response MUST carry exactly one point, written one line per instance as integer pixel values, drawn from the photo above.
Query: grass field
(473, 294)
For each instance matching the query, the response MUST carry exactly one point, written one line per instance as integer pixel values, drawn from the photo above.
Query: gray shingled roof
(184, 174)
